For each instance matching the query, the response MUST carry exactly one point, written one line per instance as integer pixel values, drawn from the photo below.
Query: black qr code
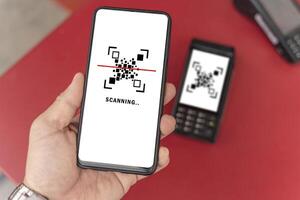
(126, 69)
(205, 80)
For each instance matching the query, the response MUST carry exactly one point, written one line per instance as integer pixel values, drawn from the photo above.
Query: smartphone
(124, 90)
(200, 101)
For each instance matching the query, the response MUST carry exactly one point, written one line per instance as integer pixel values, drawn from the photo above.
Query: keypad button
(294, 48)
(179, 120)
(178, 127)
(192, 112)
(180, 115)
(198, 132)
(182, 109)
(211, 123)
(187, 129)
(297, 37)
(294, 45)
(200, 120)
(188, 123)
(289, 41)
(190, 117)
(201, 114)
(195, 122)
(199, 126)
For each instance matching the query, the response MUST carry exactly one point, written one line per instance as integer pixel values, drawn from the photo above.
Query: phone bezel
(124, 168)
(217, 49)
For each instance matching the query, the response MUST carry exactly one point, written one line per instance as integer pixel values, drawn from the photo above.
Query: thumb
(61, 112)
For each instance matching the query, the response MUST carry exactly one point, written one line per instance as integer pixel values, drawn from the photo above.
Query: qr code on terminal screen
(205, 80)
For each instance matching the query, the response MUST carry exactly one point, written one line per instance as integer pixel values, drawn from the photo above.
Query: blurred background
(23, 25)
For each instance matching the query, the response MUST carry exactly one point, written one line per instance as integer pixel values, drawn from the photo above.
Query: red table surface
(257, 154)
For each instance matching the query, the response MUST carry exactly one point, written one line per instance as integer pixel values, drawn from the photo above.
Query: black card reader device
(279, 20)
(203, 90)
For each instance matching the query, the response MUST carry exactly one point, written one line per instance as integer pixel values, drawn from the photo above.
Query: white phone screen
(122, 101)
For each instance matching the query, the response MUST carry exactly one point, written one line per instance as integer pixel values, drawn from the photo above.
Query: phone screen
(204, 80)
(124, 86)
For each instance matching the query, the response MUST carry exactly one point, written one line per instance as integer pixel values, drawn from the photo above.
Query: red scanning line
(139, 69)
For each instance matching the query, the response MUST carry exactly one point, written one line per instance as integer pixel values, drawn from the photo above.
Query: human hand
(51, 166)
